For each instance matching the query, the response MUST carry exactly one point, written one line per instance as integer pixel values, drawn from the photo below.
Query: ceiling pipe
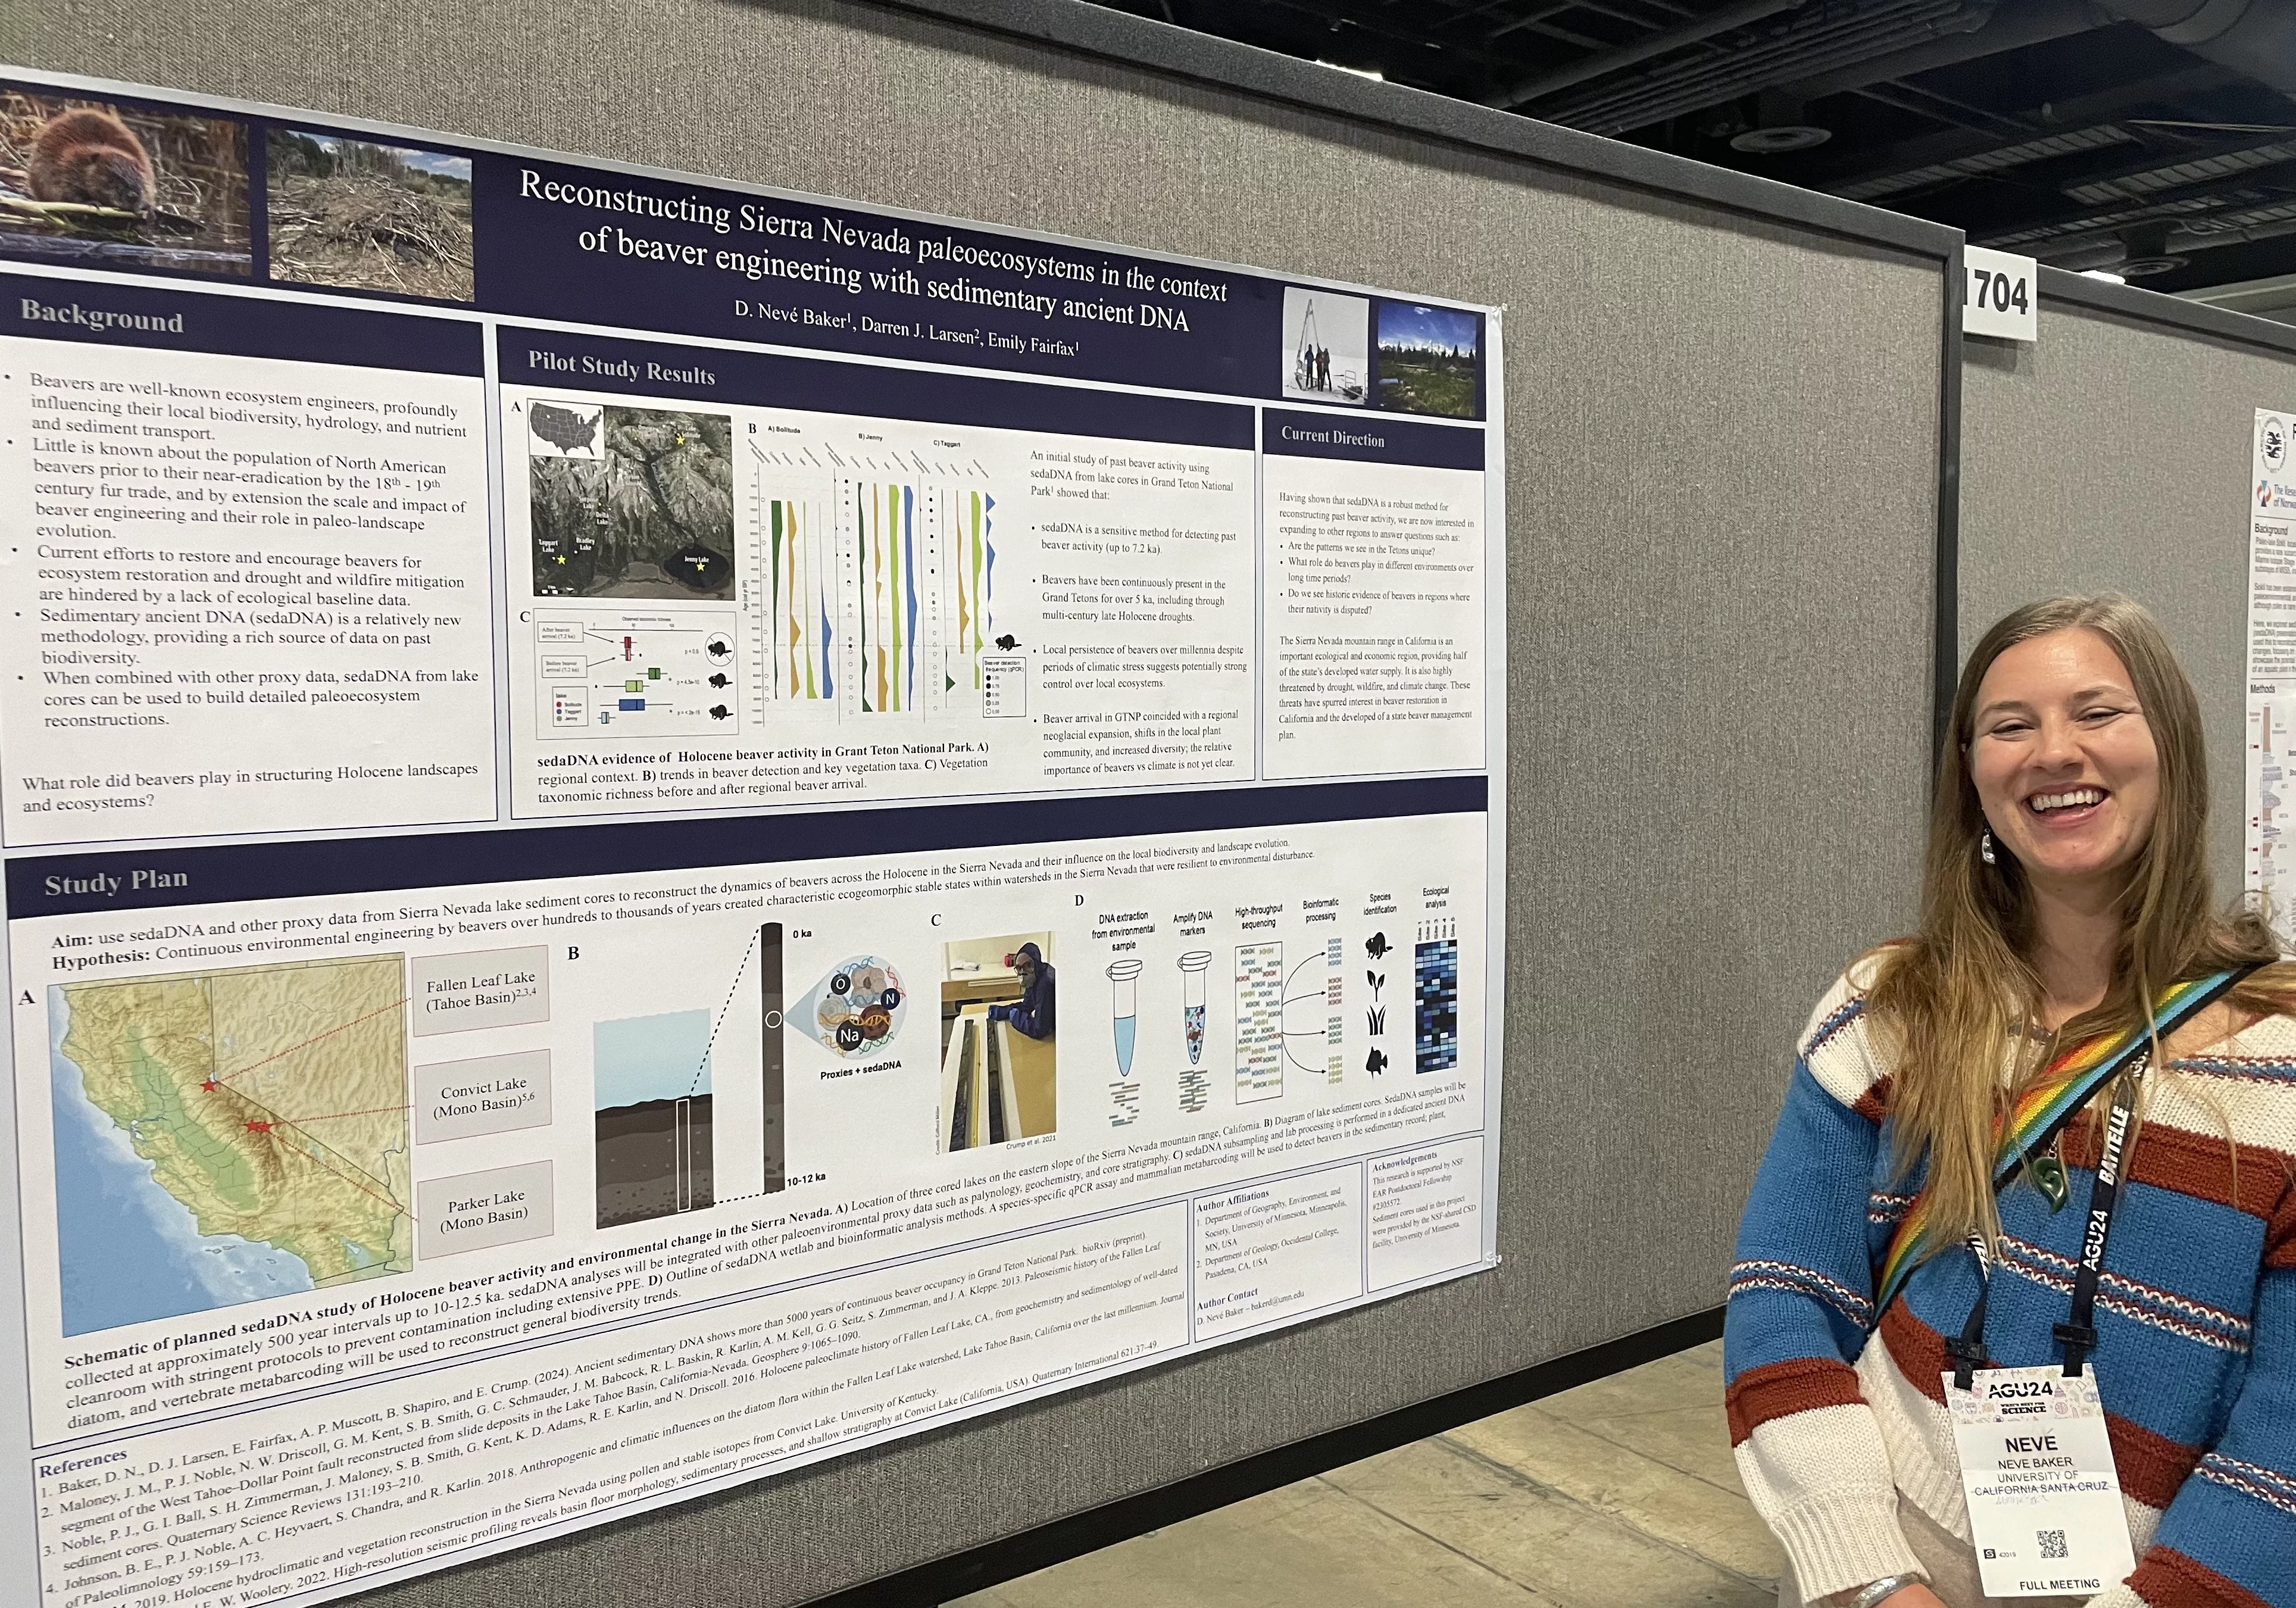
(1764, 57)
(2157, 177)
(2191, 239)
(2104, 254)
(2245, 196)
(2006, 29)
(1642, 50)
(2254, 37)
(2112, 251)
(2226, 217)
(1879, 29)
(2085, 122)
(1982, 161)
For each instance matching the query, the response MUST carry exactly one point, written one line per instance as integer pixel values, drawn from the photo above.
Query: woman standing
(2072, 1004)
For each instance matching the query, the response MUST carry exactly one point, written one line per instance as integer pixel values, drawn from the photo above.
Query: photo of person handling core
(2013, 1315)
(999, 1058)
(1033, 1014)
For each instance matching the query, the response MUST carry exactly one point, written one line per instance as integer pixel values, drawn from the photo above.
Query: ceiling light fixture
(1775, 142)
(2149, 253)
(1778, 127)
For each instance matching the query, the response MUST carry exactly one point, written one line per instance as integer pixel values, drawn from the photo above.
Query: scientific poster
(599, 911)
(2271, 864)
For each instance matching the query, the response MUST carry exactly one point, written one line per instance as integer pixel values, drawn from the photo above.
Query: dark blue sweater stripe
(2197, 1336)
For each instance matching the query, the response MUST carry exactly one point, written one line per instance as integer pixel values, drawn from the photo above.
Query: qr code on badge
(2053, 1543)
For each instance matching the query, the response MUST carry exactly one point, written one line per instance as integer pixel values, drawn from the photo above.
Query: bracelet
(1883, 1589)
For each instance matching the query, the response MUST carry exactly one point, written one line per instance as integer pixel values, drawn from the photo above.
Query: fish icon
(1375, 1062)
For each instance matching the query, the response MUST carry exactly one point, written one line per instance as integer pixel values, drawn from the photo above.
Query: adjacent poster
(2271, 863)
(655, 830)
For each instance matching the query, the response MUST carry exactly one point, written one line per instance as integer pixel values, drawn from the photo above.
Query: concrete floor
(1620, 1494)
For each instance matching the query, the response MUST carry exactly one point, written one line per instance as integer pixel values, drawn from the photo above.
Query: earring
(1985, 846)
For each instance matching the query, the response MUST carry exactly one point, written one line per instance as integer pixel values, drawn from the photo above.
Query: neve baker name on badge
(2045, 1511)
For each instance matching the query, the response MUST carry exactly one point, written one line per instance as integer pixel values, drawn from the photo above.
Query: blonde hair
(1958, 996)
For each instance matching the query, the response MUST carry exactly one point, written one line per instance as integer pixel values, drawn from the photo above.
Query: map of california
(270, 1101)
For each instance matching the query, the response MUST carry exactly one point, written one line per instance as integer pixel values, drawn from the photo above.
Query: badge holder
(2044, 1510)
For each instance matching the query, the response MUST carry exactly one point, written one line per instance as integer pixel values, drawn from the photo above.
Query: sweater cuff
(2122, 1596)
(1838, 1542)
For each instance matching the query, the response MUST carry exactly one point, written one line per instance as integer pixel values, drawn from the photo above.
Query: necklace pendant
(2049, 1177)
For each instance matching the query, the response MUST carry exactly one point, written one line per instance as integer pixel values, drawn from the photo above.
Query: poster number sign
(1997, 295)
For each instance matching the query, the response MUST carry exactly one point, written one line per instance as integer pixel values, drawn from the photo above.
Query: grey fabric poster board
(2112, 455)
(1723, 459)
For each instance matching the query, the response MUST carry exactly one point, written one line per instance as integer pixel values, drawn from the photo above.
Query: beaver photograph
(84, 181)
(90, 157)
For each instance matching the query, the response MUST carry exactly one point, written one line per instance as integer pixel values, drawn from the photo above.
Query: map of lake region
(227, 1136)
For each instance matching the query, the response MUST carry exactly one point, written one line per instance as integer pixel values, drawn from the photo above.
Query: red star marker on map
(258, 1128)
(210, 1085)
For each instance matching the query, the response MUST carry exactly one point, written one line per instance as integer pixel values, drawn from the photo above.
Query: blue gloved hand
(999, 1012)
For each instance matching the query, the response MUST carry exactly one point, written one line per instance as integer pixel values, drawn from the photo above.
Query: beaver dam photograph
(105, 184)
(364, 217)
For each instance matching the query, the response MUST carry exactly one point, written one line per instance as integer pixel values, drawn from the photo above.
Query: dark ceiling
(2155, 138)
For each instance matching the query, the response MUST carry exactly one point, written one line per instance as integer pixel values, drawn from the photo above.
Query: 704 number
(2001, 291)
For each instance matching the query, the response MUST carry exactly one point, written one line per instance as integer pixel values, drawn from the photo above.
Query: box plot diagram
(636, 675)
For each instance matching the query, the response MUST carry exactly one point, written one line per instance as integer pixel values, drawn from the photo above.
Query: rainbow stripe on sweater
(2037, 1114)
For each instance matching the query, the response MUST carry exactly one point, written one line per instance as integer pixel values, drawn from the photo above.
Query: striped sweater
(2196, 1320)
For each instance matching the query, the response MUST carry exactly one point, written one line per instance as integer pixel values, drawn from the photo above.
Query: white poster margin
(16, 1485)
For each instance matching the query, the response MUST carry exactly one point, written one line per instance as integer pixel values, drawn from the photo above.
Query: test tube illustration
(1193, 965)
(1126, 975)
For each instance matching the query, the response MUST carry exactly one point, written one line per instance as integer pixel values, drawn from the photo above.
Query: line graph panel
(878, 596)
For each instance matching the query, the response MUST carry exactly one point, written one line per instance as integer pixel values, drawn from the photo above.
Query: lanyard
(2078, 1332)
(2064, 1087)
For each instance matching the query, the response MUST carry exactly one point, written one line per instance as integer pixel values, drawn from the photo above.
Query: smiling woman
(1907, 1231)
(2063, 755)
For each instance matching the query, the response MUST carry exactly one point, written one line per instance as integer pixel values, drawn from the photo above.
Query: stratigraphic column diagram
(983, 1097)
(769, 1056)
